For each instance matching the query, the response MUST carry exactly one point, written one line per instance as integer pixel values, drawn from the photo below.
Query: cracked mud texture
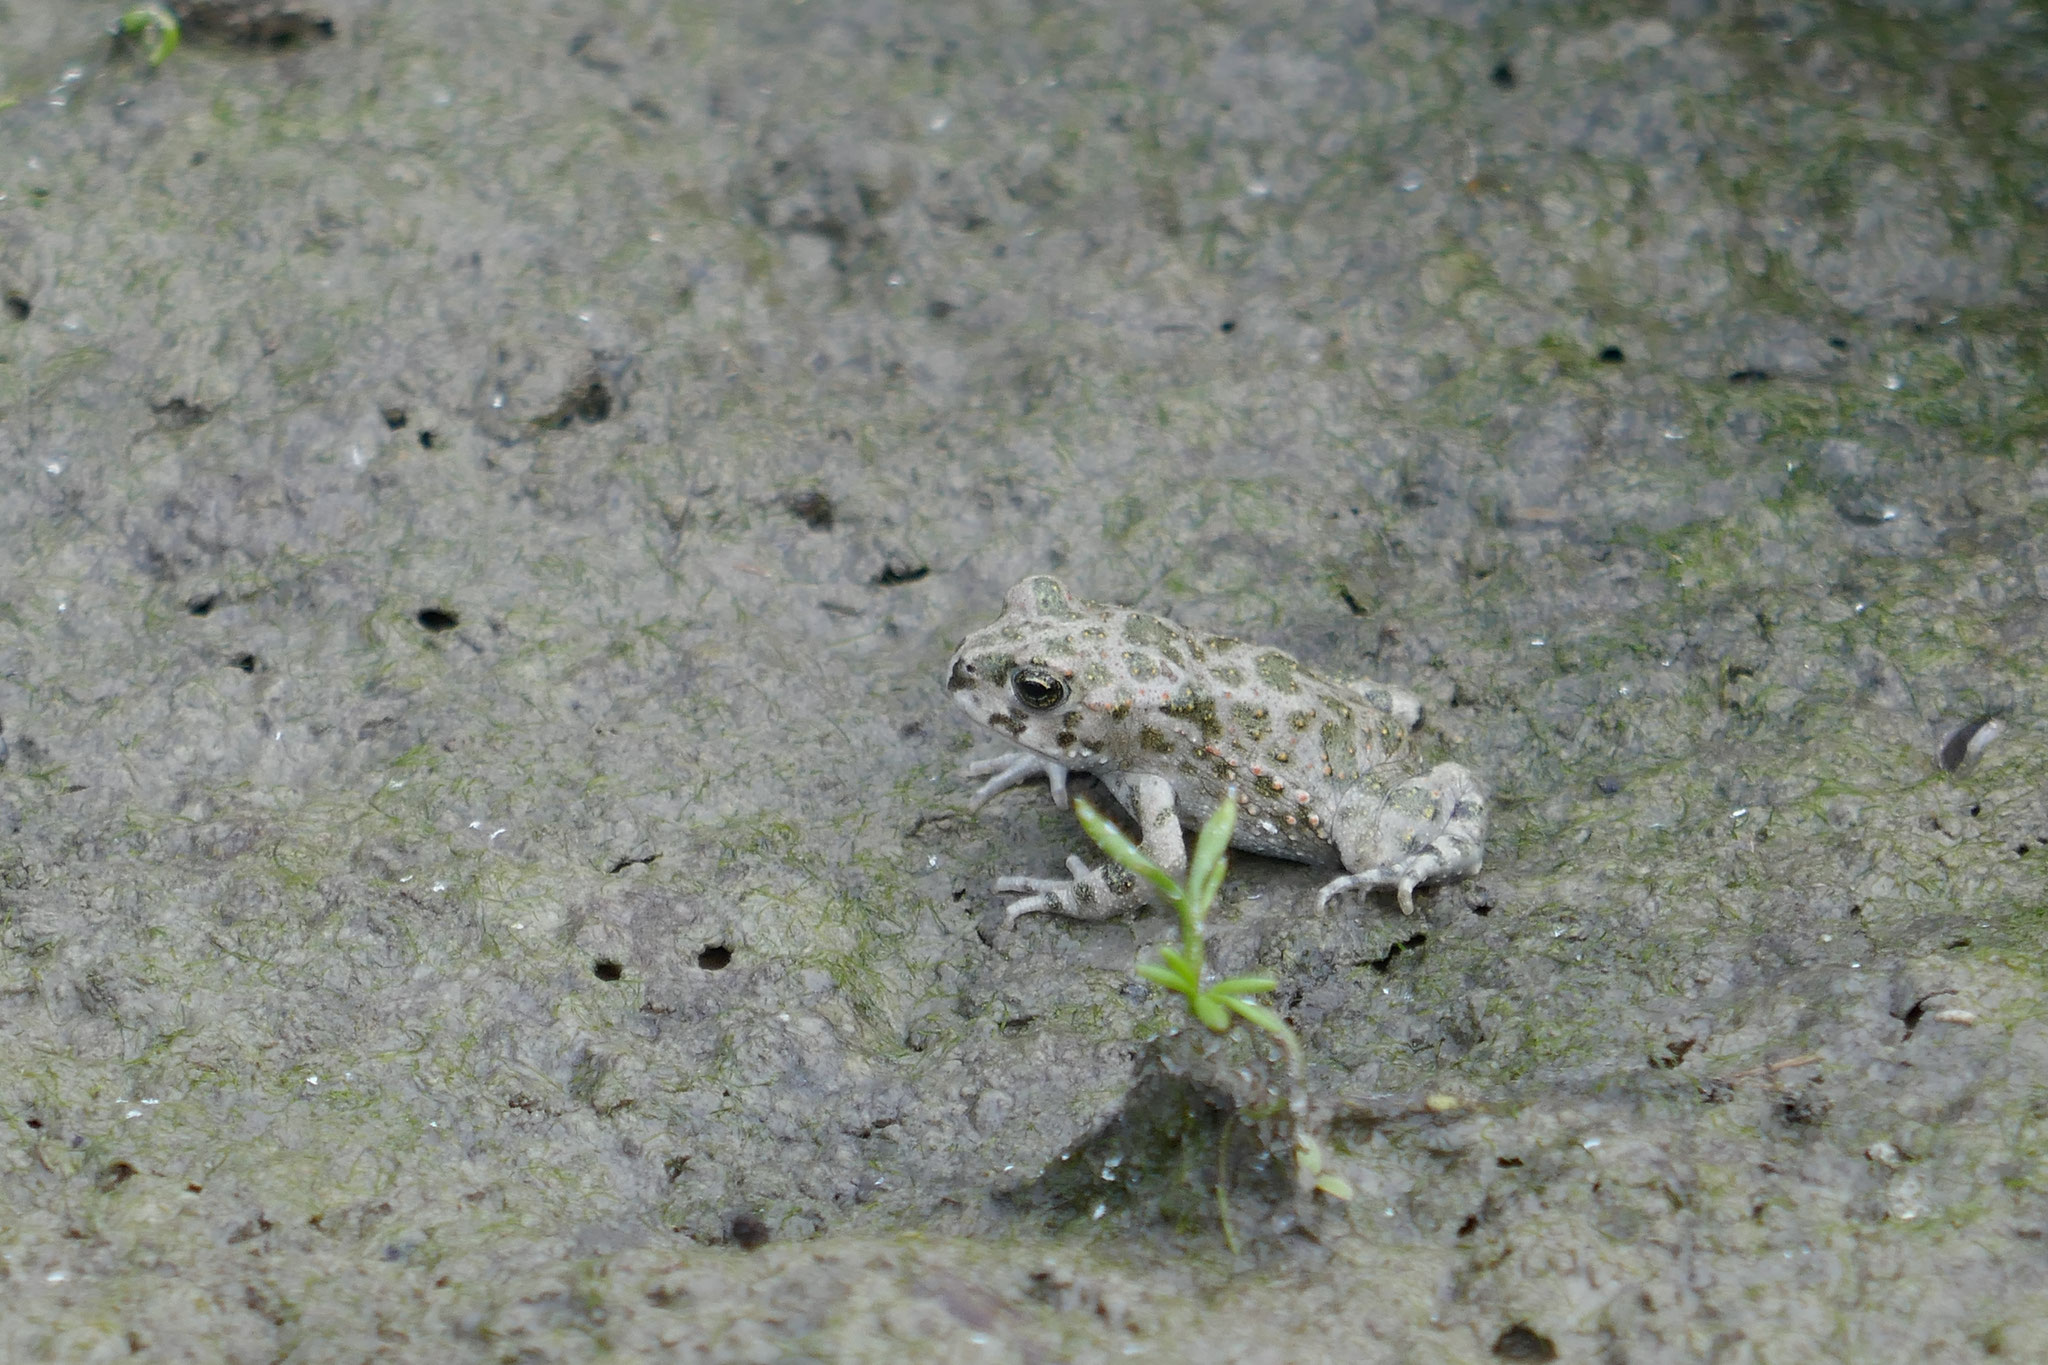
(486, 495)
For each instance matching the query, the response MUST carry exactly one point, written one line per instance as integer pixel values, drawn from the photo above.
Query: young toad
(1170, 719)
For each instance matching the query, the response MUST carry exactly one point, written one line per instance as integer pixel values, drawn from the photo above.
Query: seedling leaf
(1258, 1014)
(1164, 977)
(1214, 838)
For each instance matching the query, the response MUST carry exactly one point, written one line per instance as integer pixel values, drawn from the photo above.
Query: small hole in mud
(18, 307)
(181, 414)
(1520, 1343)
(1483, 909)
(1839, 343)
(748, 1231)
(438, 619)
(1469, 1226)
(1507, 1162)
(35, 1123)
(1227, 326)
(426, 440)
(1749, 376)
(1956, 943)
(1611, 355)
(116, 1174)
(938, 310)
(812, 507)
(1019, 1024)
(589, 401)
(2021, 849)
(895, 574)
(245, 662)
(1804, 1108)
(1855, 912)
(604, 969)
(716, 958)
(199, 606)
(394, 418)
(1504, 76)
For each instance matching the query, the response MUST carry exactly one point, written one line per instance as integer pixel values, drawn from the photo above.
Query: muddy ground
(487, 494)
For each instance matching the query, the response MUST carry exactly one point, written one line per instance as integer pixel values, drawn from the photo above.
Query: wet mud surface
(486, 500)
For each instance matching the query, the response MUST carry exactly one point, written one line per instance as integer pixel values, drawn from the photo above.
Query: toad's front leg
(1431, 829)
(1005, 771)
(1108, 891)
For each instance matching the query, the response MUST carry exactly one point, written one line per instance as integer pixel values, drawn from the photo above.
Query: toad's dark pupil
(1040, 690)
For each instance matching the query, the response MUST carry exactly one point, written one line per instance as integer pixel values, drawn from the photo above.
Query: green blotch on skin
(1278, 670)
(1150, 630)
(1142, 665)
(1340, 750)
(1050, 598)
(1155, 740)
(1198, 706)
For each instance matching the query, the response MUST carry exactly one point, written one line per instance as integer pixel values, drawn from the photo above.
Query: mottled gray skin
(1170, 719)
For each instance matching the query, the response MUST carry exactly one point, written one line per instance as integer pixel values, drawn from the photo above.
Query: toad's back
(1141, 695)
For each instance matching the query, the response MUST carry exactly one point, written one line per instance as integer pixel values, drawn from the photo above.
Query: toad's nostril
(961, 677)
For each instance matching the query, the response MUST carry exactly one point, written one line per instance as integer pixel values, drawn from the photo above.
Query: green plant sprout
(1217, 1005)
(156, 25)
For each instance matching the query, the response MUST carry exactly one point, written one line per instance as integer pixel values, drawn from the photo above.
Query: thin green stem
(1223, 1183)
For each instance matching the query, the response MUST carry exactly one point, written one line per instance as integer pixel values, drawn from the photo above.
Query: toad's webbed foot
(1089, 894)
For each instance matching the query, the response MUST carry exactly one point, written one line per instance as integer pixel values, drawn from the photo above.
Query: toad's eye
(1041, 689)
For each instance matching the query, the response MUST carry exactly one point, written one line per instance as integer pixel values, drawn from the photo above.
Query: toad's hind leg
(1431, 829)
(1106, 892)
